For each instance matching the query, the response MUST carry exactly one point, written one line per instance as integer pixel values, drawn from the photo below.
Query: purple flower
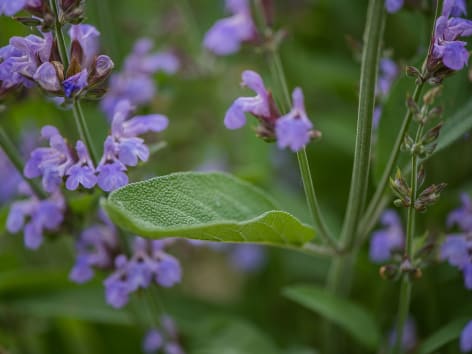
(88, 38)
(384, 242)
(153, 341)
(111, 176)
(35, 216)
(149, 262)
(466, 338)
(388, 72)
(76, 83)
(10, 178)
(11, 7)
(294, 130)
(248, 258)
(454, 8)
(135, 83)
(82, 271)
(393, 6)
(47, 77)
(259, 105)
(462, 216)
(456, 250)
(83, 171)
(52, 162)
(226, 35)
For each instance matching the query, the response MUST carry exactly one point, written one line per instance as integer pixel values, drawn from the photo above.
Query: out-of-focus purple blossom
(153, 341)
(393, 6)
(462, 216)
(10, 178)
(259, 105)
(165, 338)
(135, 83)
(123, 148)
(148, 263)
(409, 338)
(96, 248)
(387, 240)
(388, 72)
(51, 163)
(294, 130)
(35, 216)
(446, 48)
(466, 338)
(226, 35)
(248, 258)
(455, 249)
(11, 7)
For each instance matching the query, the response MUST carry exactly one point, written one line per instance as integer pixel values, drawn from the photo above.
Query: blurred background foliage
(219, 309)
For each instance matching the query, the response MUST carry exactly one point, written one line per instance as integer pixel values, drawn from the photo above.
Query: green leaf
(446, 334)
(204, 206)
(455, 127)
(351, 317)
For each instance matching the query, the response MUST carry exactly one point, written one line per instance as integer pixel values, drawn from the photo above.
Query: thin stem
(303, 163)
(372, 209)
(83, 129)
(362, 155)
(61, 43)
(403, 310)
(17, 161)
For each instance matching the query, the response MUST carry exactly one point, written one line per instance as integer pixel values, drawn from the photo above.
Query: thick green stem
(362, 154)
(61, 43)
(303, 163)
(17, 161)
(82, 127)
(368, 220)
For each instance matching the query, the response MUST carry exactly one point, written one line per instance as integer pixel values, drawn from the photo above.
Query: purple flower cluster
(457, 248)
(388, 72)
(165, 339)
(149, 263)
(466, 338)
(446, 49)
(226, 35)
(393, 6)
(34, 59)
(96, 247)
(35, 216)
(293, 130)
(387, 240)
(135, 82)
(122, 148)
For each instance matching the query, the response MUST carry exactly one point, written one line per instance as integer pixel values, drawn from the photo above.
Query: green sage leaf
(444, 335)
(204, 206)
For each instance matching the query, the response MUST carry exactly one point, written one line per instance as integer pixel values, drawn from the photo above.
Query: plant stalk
(82, 127)
(61, 43)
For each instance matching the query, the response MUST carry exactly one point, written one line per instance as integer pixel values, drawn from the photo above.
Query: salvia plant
(301, 230)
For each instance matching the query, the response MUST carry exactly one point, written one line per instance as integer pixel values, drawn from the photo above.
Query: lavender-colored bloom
(248, 258)
(46, 76)
(454, 8)
(82, 271)
(294, 129)
(153, 341)
(76, 83)
(51, 163)
(466, 338)
(35, 216)
(116, 292)
(259, 105)
(455, 250)
(388, 72)
(82, 172)
(173, 348)
(383, 242)
(11, 7)
(409, 338)
(462, 216)
(135, 82)
(168, 271)
(467, 271)
(226, 35)
(393, 6)
(88, 37)
(10, 178)
(111, 176)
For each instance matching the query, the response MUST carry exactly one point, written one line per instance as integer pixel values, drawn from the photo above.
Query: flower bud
(101, 69)
(47, 77)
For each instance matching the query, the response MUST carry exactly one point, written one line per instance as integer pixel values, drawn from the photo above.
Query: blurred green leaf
(446, 334)
(204, 206)
(225, 335)
(455, 127)
(22, 280)
(348, 315)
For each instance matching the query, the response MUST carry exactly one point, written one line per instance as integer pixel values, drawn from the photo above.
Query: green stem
(403, 309)
(82, 127)
(303, 163)
(367, 223)
(17, 161)
(362, 154)
(61, 43)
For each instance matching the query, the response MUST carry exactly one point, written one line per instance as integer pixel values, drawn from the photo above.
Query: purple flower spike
(153, 341)
(11, 7)
(466, 338)
(259, 105)
(294, 129)
(82, 172)
(385, 241)
(226, 35)
(393, 6)
(46, 77)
